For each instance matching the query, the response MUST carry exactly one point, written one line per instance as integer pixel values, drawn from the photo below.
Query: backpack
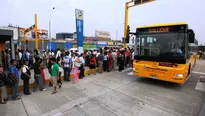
(10, 80)
(24, 57)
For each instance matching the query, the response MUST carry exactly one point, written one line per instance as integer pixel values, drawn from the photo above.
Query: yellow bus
(163, 52)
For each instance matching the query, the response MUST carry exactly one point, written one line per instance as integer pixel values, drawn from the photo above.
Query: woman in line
(92, 64)
(25, 76)
(110, 60)
(76, 65)
(42, 66)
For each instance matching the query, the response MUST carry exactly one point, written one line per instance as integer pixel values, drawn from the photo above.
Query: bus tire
(189, 70)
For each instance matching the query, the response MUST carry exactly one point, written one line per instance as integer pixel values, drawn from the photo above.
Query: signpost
(79, 14)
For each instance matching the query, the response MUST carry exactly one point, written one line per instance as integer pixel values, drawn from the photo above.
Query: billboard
(79, 15)
(42, 33)
(103, 34)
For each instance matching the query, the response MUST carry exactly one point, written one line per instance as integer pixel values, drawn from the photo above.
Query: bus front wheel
(189, 70)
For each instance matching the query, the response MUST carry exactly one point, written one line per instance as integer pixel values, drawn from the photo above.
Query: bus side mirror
(191, 36)
(137, 34)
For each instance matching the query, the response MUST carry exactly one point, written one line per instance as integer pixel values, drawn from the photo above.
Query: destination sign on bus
(170, 29)
(159, 30)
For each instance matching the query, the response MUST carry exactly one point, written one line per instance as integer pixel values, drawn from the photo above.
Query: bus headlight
(178, 75)
(135, 69)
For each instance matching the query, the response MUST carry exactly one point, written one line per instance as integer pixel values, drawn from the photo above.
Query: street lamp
(50, 25)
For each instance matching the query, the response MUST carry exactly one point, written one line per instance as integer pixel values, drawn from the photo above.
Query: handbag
(10, 80)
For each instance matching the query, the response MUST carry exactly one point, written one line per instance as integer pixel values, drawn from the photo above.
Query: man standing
(67, 66)
(15, 74)
(20, 59)
(37, 75)
(114, 57)
(100, 60)
(54, 74)
(81, 68)
(121, 61)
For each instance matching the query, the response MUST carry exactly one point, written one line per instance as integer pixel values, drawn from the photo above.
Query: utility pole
(116, 35)
(50, 26)
(36, 30)
(127, 6)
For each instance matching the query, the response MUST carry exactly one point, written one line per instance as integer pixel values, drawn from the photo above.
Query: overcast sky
(106, 15)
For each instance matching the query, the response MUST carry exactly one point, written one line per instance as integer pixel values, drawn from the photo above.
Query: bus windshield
(166, 45)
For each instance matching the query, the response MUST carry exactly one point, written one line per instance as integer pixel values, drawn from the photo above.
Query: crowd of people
(59, 62)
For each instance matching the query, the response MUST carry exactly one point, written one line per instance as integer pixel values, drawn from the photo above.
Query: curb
(20, 88)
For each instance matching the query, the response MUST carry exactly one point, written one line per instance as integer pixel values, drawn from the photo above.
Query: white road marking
(58, 114)
(200, 86)
(202, 73)
(130, 73)
(127, 69)
(187, 78)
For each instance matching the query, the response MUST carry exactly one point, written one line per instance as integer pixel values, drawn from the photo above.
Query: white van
(73, 49)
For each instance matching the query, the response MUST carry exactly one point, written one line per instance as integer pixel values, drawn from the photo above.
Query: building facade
(66, 36)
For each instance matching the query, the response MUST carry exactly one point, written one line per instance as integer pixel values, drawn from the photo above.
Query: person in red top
(42, 72)
(118, 52)
(110, 60)
(92, 64)
(127, 57)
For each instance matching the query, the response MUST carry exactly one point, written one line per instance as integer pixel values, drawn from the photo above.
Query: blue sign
(79, 29)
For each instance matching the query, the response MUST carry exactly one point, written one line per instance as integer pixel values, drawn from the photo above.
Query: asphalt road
(115, 94)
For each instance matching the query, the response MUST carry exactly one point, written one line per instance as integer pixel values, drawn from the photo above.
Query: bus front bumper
(173, 79)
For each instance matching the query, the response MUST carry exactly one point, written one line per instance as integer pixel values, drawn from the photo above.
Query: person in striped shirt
(67, 62)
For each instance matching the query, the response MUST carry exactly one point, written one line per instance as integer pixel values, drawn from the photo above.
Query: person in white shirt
(94, 52)
(51, 54)
(20, 59)
(132, 58)
(58, 54)
(114, 57)
(27, 54)
(105, 63)
(98, 53)
(81, 68)
(25, 76)
(67, 63)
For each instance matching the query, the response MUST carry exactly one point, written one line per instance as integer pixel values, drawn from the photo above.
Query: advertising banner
(102, 42)
(42, 34)
(79, 14)
(110, 43)
(103, 34)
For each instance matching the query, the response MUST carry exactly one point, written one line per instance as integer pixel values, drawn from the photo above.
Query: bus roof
(162, 25)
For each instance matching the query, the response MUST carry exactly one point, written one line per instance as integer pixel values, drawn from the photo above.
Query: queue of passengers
(57, 63)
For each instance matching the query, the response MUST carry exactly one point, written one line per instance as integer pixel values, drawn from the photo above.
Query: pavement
(115, 94)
